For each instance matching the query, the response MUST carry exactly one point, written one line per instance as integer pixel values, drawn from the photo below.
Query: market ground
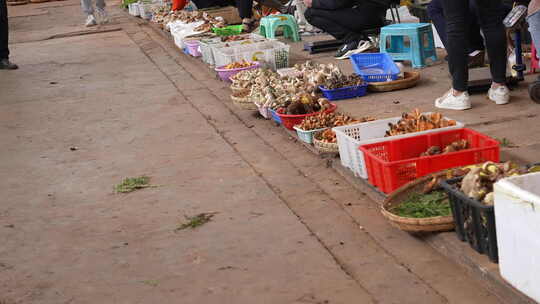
(89, 108)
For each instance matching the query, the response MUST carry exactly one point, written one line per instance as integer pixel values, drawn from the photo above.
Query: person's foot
(500, 94)
(453, 101)
(102, 15)
(90, 21)
(5, 64)
(248, 25)
(476, 59)
(349, 46)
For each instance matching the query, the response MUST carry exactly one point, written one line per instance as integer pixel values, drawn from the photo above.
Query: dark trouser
(245, 8)
(209, 3)
(436, 13)
(490, 18)
(347, 24)
(4, 51)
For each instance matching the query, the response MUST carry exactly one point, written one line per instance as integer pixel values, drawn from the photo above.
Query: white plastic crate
(271, 54)
(351, 137)
(207, 46)
(133, 9)
(517, 221)
(145, 11)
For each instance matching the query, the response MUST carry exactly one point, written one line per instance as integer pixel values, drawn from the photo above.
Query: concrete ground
(89, 107)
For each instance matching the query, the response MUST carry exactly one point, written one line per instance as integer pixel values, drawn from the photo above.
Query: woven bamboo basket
(244, 103)
(417, 225)
(237, 90)
(410, 79)
(325, 147)
(17, 2)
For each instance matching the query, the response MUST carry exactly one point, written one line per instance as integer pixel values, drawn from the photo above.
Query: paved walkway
(89, 109)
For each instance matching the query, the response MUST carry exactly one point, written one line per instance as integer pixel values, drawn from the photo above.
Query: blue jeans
(534, 28)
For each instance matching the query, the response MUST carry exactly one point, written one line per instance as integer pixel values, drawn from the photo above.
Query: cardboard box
(229, 13)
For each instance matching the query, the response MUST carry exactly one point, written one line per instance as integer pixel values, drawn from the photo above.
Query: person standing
(490, 17)
(91, 14)
(5, 64)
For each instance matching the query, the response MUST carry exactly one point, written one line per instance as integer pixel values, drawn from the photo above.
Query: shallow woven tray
(410, 79)
(238, 89)
(428, 224)
(244, 103)
(13, 3)
(325, 147)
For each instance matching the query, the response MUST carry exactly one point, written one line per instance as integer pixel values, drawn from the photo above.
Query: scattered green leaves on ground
(435, 203)
(196, 221)
(133, 183)
(152, 283)
(505, 142)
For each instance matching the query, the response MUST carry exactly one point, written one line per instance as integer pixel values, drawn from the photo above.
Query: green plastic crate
(228, 30)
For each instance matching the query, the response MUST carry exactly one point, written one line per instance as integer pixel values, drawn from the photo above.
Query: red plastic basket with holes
(289, 121)
(391, 164)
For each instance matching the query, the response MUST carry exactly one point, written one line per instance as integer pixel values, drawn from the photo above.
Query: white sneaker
(90, 21)
(103, 16)
(449, 101)
(499, 95)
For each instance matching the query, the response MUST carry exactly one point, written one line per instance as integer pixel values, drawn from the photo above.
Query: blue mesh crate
(375, 67)
(275, 117)
(345, 92)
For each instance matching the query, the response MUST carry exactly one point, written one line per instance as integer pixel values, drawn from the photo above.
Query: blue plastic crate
(275, 117)
(345, 92)
(375, 67)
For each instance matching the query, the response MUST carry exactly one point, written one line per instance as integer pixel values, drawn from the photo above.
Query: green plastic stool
(270, 24)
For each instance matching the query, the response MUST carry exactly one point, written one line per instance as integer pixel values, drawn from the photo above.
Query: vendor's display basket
(325, 147)
(193, 47)
(415, 225)
(289, 121)
(345, 92)
(350, 137)
(145, 11)
(271, 54)
(133, 9)
(306, 136)
(475, 222)
(373, 67)
(394, 163)
(228, 30)
(410, 79)
(236, 90)
(205, 48)
(244, 102)
(275, 116)
(226, 74)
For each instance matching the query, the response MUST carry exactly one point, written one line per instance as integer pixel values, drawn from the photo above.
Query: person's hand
(308, 2)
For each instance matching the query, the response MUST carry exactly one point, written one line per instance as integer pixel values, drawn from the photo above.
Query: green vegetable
(195, 221)
(419, 205)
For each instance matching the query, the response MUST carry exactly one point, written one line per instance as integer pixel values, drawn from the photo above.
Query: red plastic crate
(391, 164)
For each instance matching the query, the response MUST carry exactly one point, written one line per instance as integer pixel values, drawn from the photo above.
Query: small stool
(534, 59)
(270, 24)
(422, 44)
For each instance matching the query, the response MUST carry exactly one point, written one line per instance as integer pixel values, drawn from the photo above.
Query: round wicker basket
(237, 90)
(325, 147)
(410, 79)
(244, 103)
(429, 224)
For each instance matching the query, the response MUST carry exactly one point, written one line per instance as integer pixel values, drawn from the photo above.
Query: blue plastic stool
(422, 44)
(270, 24)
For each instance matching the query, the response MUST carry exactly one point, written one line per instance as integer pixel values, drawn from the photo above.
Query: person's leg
(87, 7)
(4, 31)
(323, 19)
(476, 41)
(245, 8)
(534, 28)
(490, 19)
(100, 4)
(436, 14)
(456, 12)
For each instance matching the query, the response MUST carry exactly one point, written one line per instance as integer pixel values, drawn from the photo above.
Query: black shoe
(5, 64)
(352, 45)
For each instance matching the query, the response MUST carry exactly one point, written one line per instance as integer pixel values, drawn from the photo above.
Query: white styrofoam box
(179, 31)
(351, 137)
(271, 54)
(133, 9)
(145, 10)
(517, 221)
